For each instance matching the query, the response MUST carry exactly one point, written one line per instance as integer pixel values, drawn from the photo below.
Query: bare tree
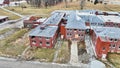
(66, 3)
(45, 3)
(28, 1)
(82, 4)
(71, 0)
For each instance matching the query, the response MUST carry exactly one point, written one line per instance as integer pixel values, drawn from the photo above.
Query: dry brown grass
(64, 53)
(14, 45)
(11, 16)
(71, 6)
(114, 59)
(102, 7)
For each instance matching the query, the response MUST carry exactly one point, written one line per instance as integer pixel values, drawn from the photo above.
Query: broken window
(79, 29)
(81, 34)
(40, 43)
(47, 38)
(115, 39)
(33, 42)
(40, 38)
(69, 34)
(47, 43)
(119, 47)
(111, 39)
(32, 37)
(114, 46)
(103, 48)
(67, 29)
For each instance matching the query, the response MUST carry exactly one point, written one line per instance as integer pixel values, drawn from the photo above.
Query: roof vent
(42, 27)
(109, 20)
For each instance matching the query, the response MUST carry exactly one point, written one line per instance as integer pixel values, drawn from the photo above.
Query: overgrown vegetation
(4, 31)
(15, 36)
(64, 53)
(10, 15)
(46, 55)
(39, 54)
(114, 58)
(8, 45)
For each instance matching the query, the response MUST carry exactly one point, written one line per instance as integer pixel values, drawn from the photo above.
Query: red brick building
(106, 13)
(54, 19)
(106, 39)
(3, 2)
(110, 20)
(43, 36)
(75, 28)
(91, 19)
(33, 22)
(99, 18)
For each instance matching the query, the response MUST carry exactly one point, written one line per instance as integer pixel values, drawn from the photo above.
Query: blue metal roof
(89, 11)
(54, 19)
(75, 22)
(91, 18)
(109, 18)
(110, 32)
(1, 1)
(48, 31)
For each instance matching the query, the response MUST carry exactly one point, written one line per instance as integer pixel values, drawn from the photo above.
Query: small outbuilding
(3, 2)
(3, 19)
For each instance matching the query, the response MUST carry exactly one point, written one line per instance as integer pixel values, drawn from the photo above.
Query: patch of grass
(7, 46)
(42, 54)
(64, 53)
(102, 7)
(12, 50)
(15, 36)
(10, 15)
(31, 10)
(4, 30)
(114, 59)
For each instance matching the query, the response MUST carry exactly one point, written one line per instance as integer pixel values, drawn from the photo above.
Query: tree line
(46, 3)
(43, 3)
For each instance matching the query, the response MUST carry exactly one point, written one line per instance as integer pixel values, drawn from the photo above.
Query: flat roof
(75, 22)
(54, 19)
(110, 32)
(41, 20)
(109, 18)
(109, 12)
(2, 17)
(1, 1)
(62, 11)
(89, 11)
(48, 31)
(91, 18)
